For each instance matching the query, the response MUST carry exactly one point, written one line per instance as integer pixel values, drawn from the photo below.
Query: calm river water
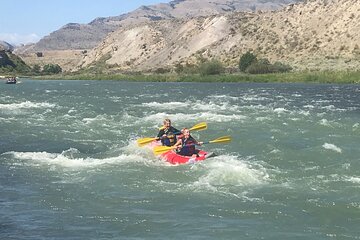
(70, 167)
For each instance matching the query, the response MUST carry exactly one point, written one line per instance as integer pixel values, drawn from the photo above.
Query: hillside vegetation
(12, 64)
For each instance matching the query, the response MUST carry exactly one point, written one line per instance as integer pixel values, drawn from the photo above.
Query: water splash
(332, 147)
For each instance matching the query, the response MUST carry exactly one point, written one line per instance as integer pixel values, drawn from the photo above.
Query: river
(70, 167)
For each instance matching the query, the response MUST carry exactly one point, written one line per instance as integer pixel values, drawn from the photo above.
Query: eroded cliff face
(319, 34)
(159, 44)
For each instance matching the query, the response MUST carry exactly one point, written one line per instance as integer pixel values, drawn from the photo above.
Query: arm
(160, 134)
(178, 143)
(176, 131)
(196, 142)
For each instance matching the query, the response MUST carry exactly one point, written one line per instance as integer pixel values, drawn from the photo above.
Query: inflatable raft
(172, 157)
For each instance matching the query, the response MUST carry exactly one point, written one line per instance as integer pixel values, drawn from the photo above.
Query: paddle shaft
(197, 127)
(162, 149)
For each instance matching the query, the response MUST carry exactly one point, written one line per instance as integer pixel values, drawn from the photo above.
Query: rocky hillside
(87, 36)
(76, 36)
(10, 63)
(5, 46)
(317, 34)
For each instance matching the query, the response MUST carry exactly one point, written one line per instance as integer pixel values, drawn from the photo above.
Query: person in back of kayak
(167, 134)
(186, 145)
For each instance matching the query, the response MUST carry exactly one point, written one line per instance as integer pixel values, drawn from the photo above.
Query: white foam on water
(116, 99)
(354, 180)
(332, 147)
(257, 108)
(25, 105)
(99, 118)
(156, 95)
(332, 108)
(227, 170)
(195, 106)
(181, 117)
(303, 112)
(7, 120)
(325, 122)
(51, 91)
(133, 148)
(167, 105)
(128, 120)
(261, 119)
(280, 110)
(330, 123)
(321, 100)
(275, 151)
(68, 159)
(212, 106)
(224, 97)
(72, 110)
(253, 98)
(309, 106)
(269, 112)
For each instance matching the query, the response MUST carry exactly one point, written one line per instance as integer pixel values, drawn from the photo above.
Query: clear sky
(24, 21)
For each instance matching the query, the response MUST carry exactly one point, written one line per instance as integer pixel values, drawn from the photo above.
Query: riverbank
(293, 77)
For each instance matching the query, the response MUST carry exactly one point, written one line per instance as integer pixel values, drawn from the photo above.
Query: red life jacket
(188, 146)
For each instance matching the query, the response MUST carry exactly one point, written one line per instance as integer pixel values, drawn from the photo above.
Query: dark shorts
(185, 153)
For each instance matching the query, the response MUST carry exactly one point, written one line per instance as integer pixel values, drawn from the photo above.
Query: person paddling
(186, 145)
(167, 134)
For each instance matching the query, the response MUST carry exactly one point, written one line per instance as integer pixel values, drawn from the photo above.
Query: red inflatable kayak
(174, 158)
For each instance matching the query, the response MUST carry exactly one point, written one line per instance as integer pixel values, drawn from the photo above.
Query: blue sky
(24, 21)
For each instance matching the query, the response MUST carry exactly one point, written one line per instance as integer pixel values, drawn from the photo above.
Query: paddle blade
(143, 141)
(199, 127)
(223, 139)
(162, 149)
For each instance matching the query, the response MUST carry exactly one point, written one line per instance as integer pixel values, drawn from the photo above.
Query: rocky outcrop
(159, 44)
(4, 46)
(74, 36)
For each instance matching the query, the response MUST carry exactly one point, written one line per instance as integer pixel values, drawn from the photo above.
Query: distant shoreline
(341, 77)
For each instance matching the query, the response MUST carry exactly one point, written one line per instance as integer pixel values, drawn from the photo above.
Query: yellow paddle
(198, 127)
(220, 140)
(162, 149)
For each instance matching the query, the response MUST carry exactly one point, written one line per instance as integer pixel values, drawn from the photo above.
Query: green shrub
(179, 68)
(246, 60)
(51, 69)
(36, 68)
(281, 67)
(189, 69)
(213, 67)
(161, 70)
(262, 67)
(259, 68)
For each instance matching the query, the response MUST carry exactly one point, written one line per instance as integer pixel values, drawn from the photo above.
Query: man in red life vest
(186, 145)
